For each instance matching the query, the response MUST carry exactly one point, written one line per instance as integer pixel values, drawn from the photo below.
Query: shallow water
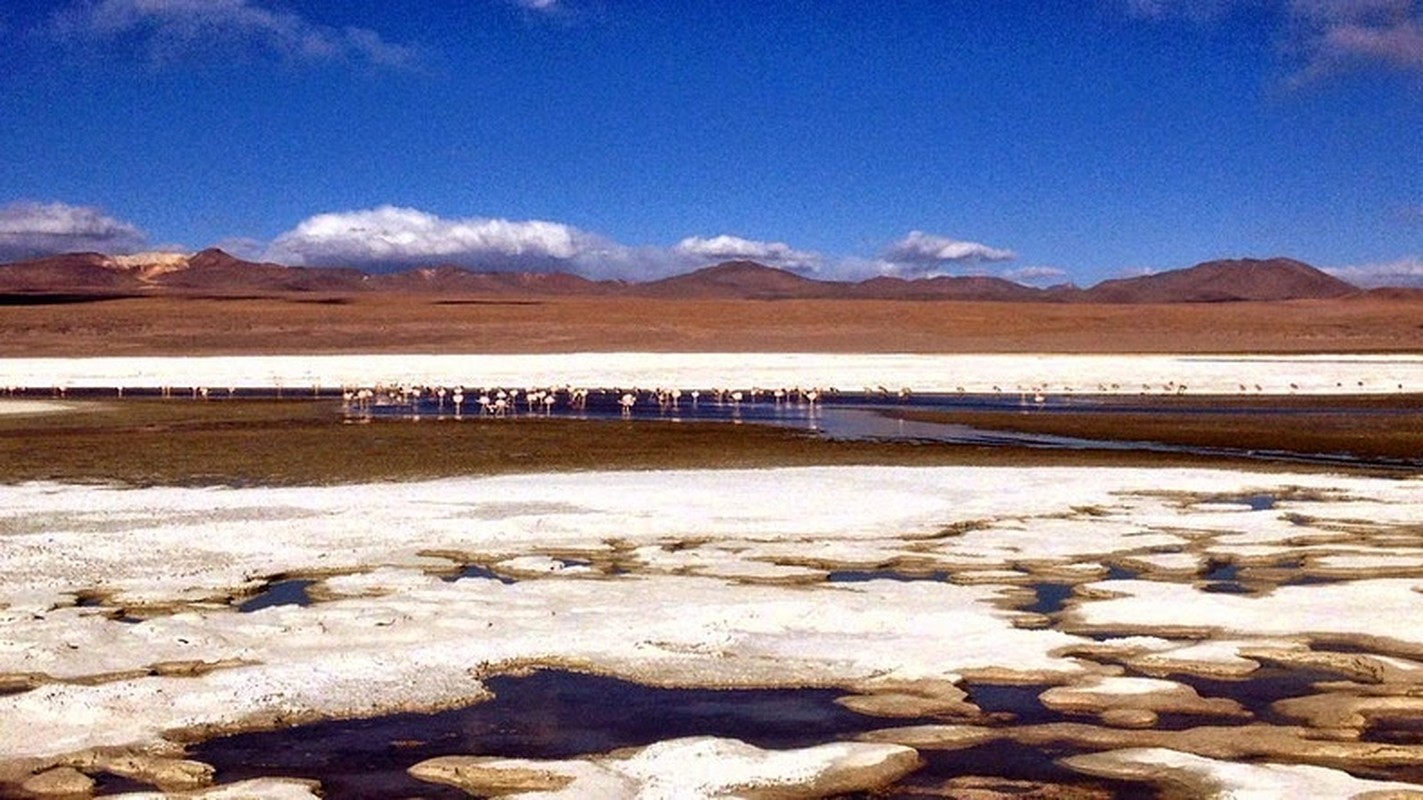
(548, 714)
(1051, 597)
(478, 572)
(290, 592)
(861, 416)
(553, 714)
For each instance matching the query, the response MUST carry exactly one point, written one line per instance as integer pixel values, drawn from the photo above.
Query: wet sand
(993, 619)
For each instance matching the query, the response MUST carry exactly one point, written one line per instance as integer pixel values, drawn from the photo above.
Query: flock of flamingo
(500, 402)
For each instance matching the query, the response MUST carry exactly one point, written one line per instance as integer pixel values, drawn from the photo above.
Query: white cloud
(1035, 276)
(1397, 43)
(922, 254)
(728, 248)
(393, 236)
(30, 230)
(176, 28)
(1324, 36)
(546, 6)
(1406, 271)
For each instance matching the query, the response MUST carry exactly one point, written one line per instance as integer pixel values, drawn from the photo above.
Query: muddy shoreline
(245, 443)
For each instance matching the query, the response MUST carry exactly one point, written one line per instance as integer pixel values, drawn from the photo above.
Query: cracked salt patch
(705, 594)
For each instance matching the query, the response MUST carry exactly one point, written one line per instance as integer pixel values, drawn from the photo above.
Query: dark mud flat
(1384, 432)
(254, 442)
(558, 714)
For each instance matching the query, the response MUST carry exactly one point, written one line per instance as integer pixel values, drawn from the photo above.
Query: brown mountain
(946, 287)
(1223, 281)
(744, 280)
(214, 272)
(458, 280)
(68, 273)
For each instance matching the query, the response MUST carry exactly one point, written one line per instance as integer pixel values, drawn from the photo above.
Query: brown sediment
(1361, 667)
(923, 698)
(1300, 745)
(974, 787)
(1349, 714)
(59, 782)
(488, 776)
(1085, 697)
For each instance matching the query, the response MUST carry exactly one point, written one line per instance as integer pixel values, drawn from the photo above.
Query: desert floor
(413, 323)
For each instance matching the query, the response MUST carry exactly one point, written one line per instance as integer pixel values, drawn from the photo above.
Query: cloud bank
(390, 236)
(169, 29)
(32, 230)
(1036, 276)
(921, 254)
(1406, 271)
(730, 248)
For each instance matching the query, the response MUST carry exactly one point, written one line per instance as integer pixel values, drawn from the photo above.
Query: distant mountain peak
(1225, 280)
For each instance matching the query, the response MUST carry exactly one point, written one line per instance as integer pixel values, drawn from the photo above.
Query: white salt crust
(1239, 781)
(720, 583)
(982, 373)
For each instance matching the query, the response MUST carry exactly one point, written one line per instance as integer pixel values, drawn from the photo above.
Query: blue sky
(1046, 141)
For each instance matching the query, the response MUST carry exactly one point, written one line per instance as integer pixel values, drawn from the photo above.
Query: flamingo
(627, 401)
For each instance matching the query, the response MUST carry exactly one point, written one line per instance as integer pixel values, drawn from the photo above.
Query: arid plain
(414, 323)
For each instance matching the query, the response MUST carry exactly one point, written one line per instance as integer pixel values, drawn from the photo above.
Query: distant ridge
(458, 280)
(217, 273)
(948, 287)
(1224, 281)
(745, 280)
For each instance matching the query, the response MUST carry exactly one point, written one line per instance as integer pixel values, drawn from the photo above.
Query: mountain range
(216, 273)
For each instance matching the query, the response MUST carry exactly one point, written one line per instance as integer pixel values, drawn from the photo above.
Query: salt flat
(978, 373)
(119, 625)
